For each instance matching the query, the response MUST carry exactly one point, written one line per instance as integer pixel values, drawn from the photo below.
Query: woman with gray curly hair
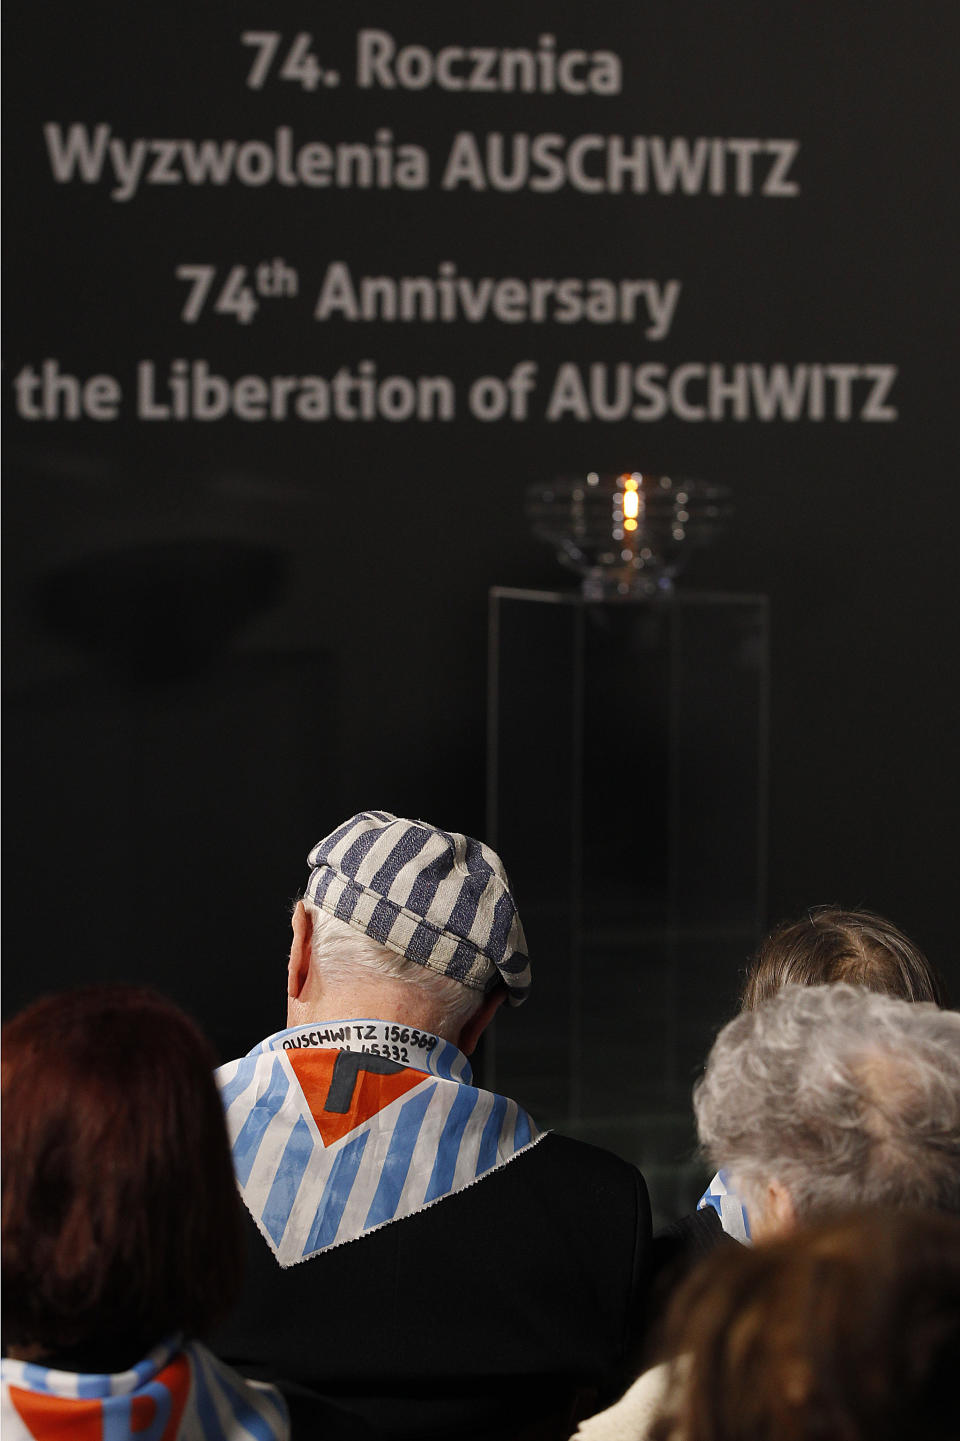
(825, 945)
(831, 1097)
(824, 1100)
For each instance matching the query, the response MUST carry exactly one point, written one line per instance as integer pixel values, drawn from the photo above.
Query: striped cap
(439, 898)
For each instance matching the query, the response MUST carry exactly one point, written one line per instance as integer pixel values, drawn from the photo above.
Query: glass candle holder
(626, 535)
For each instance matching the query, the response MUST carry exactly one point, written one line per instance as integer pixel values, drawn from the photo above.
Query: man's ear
(299, 967)
(480, 1020)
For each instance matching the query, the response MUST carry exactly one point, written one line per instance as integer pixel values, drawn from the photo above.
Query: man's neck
(367, 1005)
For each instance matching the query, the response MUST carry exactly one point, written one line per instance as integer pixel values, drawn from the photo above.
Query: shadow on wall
(157, 792)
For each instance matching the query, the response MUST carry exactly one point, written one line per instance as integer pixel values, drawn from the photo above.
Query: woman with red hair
(121, 1231)
(847, 1329)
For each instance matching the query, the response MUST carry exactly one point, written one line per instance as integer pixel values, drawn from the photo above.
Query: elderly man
(824, 1099)
(424, 1255)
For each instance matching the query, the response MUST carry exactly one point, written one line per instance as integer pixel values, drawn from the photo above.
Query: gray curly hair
(846, 1097)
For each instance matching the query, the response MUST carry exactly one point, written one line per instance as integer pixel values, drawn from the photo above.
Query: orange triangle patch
(371, 1091)
(58, 1418)
(69, 1418)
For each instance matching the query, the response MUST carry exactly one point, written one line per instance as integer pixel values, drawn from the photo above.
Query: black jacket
(507, 1310)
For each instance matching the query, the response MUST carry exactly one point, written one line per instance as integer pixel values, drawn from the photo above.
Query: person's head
(121, 1222)
(828, 1097)
(830, 944)
(405, 920)
(848, 1329)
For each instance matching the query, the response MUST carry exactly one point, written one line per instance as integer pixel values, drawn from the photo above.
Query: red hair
(121, 1220)
(849, 1328)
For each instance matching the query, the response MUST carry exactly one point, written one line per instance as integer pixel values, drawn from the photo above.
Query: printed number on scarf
(402, 1034)
(391, 1053)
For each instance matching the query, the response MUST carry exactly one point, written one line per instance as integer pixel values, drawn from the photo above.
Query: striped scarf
(176, 1392)
(338, 1129)
(728, 1206)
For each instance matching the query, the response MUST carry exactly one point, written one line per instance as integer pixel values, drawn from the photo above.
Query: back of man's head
(402, 903)
(345, 959)
(843, 1096)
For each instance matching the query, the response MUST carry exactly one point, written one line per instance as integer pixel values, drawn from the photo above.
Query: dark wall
(225, 634)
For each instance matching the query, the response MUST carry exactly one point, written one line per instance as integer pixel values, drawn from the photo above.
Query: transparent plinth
(627, 777)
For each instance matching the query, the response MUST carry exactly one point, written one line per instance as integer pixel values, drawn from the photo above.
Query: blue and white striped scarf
(175, 1392)
(728, 1206)
(339, 1128)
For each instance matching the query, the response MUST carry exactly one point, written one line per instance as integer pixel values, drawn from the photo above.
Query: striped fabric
(176, 1392)
(728, 1206)
(342, 1128)
(437, 897)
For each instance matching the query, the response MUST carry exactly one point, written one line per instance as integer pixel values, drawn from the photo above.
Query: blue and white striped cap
(439, 898)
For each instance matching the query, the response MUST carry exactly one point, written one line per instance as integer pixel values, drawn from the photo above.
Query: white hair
(847, 1097)
(342, 955)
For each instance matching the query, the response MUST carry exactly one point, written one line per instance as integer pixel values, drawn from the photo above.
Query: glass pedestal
(627, 777)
